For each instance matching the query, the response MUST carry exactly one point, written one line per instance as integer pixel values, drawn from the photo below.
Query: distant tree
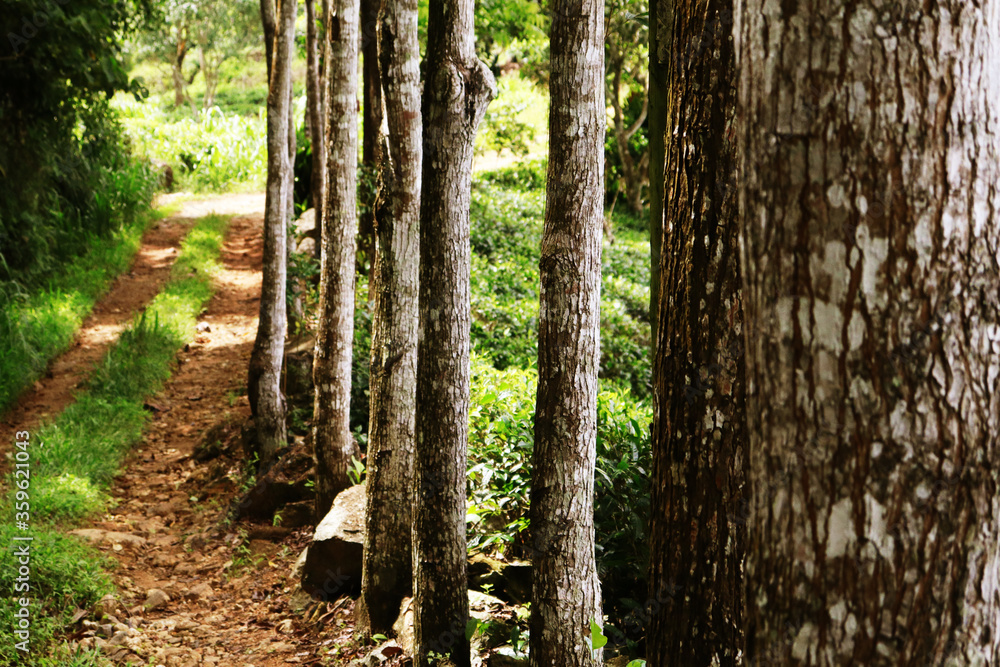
(315, 111)
(870, 179)
(217, 30)
(263, 383)
(566, 593)
(697, 535)
(456, 93)
(627, 64)
(333, 442)
(388, 564)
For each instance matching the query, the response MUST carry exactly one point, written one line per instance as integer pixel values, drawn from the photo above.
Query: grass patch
(74, 458)
(65, 575)
(37, 325)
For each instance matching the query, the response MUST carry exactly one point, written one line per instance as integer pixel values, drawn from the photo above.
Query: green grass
(65, 575)
(74, 458)
(36, 325)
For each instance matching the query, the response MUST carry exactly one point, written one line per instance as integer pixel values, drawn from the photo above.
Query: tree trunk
(177, 70)
(372, 126)
(388, 564)
(660, 34)
(335, 332)
(869, 178)
(566, 593)
(263, 383)
(316, 117)
(697, 540)
(457, 91)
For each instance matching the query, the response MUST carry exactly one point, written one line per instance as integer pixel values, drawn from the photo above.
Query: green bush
(506, 230)
(219, 152)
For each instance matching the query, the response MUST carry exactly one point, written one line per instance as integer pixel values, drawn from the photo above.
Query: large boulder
(333, 563)
(511, 582)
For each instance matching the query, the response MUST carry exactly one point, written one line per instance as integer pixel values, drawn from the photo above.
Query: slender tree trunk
(457, 91)
(697, 538)
(566, 593)
(263, 383)
(388, 565)
(314, 110)
(335, 332)
(177, 69)
(660, 35)
(869, 181)
(372, 126)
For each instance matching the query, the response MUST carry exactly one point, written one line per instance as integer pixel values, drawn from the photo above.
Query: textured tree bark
(263, 383)
(458, 89)
(697, 537)
(869, 182)
(660, 34)
(332, 439)
(566, 593)
(315, 112)
(388, 564)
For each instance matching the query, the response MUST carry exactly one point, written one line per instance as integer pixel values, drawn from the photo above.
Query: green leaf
(597, 638)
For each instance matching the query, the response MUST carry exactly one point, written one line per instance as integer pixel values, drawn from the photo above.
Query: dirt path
(128, 294)
(226, 587)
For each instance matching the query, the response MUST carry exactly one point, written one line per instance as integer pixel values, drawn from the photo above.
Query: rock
(306, 224)
(617, 661)
(97, 536)
(163, 559)
(106, 606)
(510, 582)
(155, 598)
(333, 564)
(201, 590)
(307, 246)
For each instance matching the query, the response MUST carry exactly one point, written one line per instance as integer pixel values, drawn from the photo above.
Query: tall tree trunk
(316, 117)
(372, 125)
(566, 593)
(388, 564)
(869, 178)
(457, 91)
(697, 540)
(660, 35)
(263, 383)
(334, 444)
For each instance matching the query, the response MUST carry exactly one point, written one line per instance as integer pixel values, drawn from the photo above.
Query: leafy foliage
(220, 152)
(61, 154)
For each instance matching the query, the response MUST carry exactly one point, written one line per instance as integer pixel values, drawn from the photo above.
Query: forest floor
(229, 592)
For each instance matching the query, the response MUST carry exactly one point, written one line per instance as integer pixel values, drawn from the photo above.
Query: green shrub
(219, 152)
